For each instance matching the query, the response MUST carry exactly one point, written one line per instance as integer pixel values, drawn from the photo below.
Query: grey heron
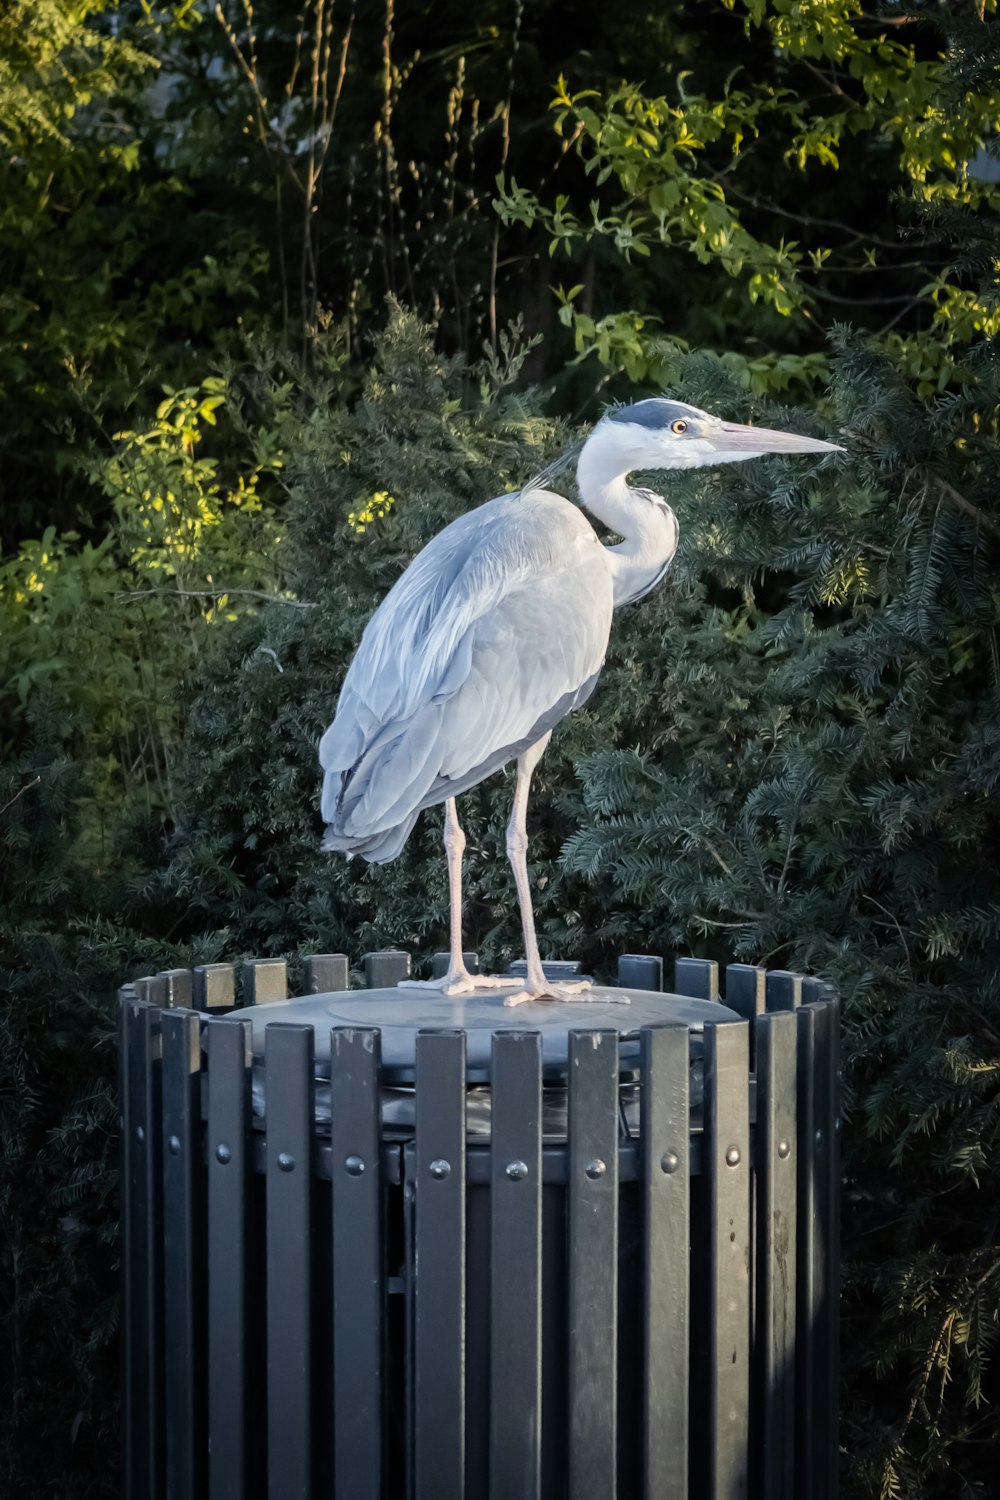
(497, 630)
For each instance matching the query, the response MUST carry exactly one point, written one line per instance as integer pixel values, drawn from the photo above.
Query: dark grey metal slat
(808, 1449)
(182, 1239)
(593, 1264)
(824, 1230)
(440, 962)
(640, 971)
(214, 987)
(179, 984)
(358, 1270)
(776, 1151)
(288, 1083)
(323, 972)
(666, 1170)
(385, 969)
(727, 1168)
(230, 1060)
(516, 1266)
(145, 1237)
(784, 990)
(130, 1353)
(439, 1322)
(836, 1076)
(264, 979)
(697, 977)
(746, 991)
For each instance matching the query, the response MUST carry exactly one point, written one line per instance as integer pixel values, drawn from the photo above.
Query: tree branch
(212, 594)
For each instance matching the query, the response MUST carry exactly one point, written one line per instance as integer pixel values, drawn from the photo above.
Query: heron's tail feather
(377, 848)
(371, 806)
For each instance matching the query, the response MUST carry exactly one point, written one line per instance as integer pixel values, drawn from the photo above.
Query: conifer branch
(961, 503)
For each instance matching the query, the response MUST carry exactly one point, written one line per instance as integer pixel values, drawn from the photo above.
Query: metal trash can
(381, 1244)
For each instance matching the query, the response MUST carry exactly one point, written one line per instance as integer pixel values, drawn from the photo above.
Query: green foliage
(437, 436)
(733, 169)
(810, 781)
(207, 482)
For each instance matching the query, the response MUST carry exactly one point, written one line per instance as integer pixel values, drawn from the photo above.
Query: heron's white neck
(648, 526)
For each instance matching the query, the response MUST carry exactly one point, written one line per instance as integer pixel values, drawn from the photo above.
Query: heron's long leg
(517, 853)
(537, 987)
(458, 980)
(454, 846)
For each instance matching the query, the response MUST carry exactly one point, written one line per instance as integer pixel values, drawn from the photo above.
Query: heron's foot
(459, 982)
(565, 989)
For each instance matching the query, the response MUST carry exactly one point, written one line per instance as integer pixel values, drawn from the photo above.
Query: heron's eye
(679, 426)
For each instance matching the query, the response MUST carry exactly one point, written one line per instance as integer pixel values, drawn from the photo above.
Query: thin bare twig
(28, 785)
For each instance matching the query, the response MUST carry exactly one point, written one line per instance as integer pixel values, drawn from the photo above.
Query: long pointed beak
(748, 442)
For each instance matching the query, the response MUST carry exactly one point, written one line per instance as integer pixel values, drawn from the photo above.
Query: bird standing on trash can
(495, 632)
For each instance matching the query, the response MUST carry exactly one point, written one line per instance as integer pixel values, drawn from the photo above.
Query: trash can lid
(401, 1013)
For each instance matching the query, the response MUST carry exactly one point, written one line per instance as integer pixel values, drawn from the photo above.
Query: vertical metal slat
(439, 1323)
(386, 968)
(130, 1352)
(593, 1264)
(746, 989)
(809, 1263)
(640, 971)
(697, 977)
(145, 1236)
(358, 1271)
(784, 990)
(230, 1061)
(775, 1171)
(824, 1146)
(324, 972)
(516, 1266)
(183, 1281)
(666, 1172)
(264, 979)
(727, 1166)
(214, 987)
(288, 1077)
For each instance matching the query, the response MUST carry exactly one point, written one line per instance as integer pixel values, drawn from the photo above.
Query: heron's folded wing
(494, 626)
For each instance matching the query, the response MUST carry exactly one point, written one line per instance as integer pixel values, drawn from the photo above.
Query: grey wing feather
(495, 631)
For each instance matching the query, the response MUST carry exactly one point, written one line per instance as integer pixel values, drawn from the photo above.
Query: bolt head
(355, 1166)
(140, 1134)
(784, 1149)
(669, 1162)
(174, 1145)
(517, 1171)
(223, 1153)
(595, 1169)
(439, 1168)
(733, 1156)
(286, 1162)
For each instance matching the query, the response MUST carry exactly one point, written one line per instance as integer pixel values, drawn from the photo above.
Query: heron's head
(661, 434)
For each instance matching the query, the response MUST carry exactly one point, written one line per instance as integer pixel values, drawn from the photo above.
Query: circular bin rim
(400, 1014)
